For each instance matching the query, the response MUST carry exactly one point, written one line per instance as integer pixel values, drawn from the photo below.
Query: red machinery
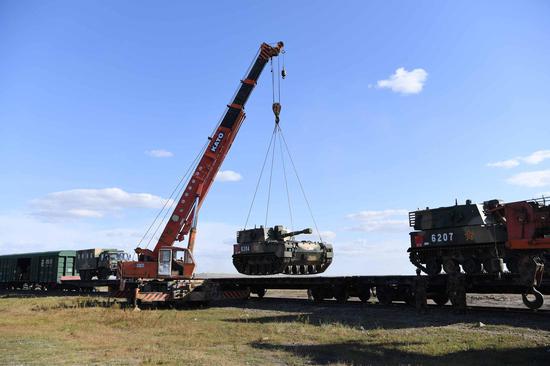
(528, 224)
(169, 262)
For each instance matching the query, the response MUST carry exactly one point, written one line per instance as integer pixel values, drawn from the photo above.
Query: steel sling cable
(286, 185)
(300, 184)
(271, 174)
(260, 177)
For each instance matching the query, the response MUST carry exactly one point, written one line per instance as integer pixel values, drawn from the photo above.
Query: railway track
(278, 301)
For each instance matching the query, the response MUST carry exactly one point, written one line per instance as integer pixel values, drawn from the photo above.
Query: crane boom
(183, 219)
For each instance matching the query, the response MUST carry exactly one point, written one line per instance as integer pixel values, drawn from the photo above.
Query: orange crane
(169, 262)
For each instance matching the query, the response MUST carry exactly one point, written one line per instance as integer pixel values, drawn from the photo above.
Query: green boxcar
(39, 268)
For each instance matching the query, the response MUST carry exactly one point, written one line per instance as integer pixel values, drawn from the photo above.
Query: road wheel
(472, 266)
(433, 267)
(260, 292)
(512, 263)
(491, 265)
(85, 275)
(103, 274)
(451, 266)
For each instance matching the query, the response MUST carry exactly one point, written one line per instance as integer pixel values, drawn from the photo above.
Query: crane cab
(175, 262)
(172, 263)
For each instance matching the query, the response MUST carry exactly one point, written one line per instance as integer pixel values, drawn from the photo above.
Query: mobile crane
(163, 271)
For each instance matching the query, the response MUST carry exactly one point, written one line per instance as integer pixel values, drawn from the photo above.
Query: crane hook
(276, 110)
(283, 72)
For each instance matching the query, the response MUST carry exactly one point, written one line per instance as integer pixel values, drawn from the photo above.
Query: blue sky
(90, 88)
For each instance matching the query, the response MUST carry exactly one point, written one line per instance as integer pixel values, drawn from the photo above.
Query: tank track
(515, 262)
(262, 265)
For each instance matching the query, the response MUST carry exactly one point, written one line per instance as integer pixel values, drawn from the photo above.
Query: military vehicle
(98, 262)
(481, 238)
(262, 251)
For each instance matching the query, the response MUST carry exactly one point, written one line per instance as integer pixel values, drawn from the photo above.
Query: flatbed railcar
(387, 289)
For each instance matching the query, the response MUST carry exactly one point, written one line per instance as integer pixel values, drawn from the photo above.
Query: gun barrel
(293, 233)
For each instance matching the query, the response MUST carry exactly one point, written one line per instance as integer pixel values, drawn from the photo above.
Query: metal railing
(412, 218)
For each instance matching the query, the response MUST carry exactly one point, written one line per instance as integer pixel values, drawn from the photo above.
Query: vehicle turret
(278, 232)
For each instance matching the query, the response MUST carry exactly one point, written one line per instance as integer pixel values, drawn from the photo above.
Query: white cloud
(405, 82)
(538, 178)
(160, 153)
(58, 235)
(390, 220)
(362, 256)
(213, 248)
(228, 176)
(326, 235)
(91, 203)
(535, 158)
(507, 164)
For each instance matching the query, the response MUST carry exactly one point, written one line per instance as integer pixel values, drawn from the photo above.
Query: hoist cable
(272, 79)
(271, 174)
(279, 79)
(179, 188)
(259, 178)
(286, 185)
(300, 184)
(166, 202)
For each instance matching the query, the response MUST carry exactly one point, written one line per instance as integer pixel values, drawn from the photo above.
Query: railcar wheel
(440, 298)
(384, 295)
(472, 266)
(364, 294)
(341, 295)
(451, 266)
(260, 292)
(316, 294)
(433, 267)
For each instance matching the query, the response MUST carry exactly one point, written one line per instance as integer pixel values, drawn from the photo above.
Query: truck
(98, 262)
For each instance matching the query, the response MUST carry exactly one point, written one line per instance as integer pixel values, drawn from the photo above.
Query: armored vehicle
(481, 238)
(98, 262)
(262, 251)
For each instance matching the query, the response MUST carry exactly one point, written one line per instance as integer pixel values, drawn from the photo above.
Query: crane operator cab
(175, 262)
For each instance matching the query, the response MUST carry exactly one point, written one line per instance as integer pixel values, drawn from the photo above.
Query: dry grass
(70, 331)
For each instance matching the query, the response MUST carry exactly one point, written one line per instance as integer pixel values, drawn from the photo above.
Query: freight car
(36, 270)
(481, 238)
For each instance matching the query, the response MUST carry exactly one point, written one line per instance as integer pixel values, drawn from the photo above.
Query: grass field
(268, 332)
